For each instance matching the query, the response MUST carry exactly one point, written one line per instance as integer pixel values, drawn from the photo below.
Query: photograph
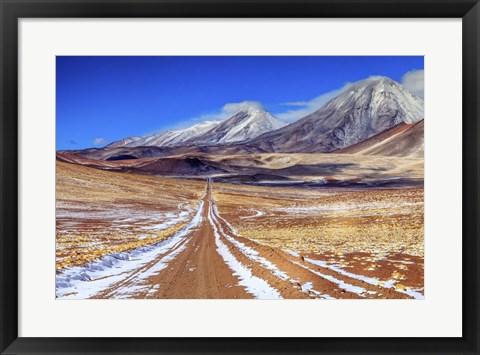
(239, 177)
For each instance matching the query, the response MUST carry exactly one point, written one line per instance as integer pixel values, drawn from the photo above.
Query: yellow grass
(327, 221)
(84, 195)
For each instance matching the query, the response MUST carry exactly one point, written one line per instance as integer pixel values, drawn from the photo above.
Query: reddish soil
(198, 270)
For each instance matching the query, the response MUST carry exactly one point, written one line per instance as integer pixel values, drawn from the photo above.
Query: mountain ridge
(241, 126)
(364, 109)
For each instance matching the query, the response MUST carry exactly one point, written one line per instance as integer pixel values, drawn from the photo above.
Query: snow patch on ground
(251, 253)
(259, 288)
(366, 279)
(308, 286)
(153, 290)
(258, 214)
(85, 281)
(127, 220)
(342, 284)
(171, 221)
(137, 281)
(254, 255)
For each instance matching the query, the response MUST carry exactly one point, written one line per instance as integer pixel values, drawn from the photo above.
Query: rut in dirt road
(206, 268)
(207, 259)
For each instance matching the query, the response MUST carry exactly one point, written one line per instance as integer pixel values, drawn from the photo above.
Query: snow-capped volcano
(364, 109)
(244, 125)
(167, 138)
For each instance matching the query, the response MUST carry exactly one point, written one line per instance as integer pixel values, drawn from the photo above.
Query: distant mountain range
(167, 138)
(242, 126)
(369, 114)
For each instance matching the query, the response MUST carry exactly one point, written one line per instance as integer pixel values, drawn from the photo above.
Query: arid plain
(330, 206)
(237, 240)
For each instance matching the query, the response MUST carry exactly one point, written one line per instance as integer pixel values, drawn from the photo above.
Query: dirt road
(207, 259)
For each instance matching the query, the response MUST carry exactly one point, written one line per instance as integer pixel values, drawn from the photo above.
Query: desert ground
(131, 235)
(101, 212)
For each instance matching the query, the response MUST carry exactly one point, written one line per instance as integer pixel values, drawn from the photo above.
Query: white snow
(169, 222)
(308, 286)
(258, 214)
(369, 280)
(291, 252)
(241, 126)
(82, 282)
(253, 125)
(232, 228)
(254, 255)
(171, 137)
(138, 220)
(152, 290)
(346, 286)
(137, 281)
(257, 287)
(249, 252)
(379, 95)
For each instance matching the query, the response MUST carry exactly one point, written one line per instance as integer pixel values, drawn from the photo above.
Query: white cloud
(226, 111)
(414, 81)
(232, 108)
(295, 103)
(100, 141)
(308, 107)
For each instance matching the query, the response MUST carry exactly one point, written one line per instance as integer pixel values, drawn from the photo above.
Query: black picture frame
(12, 10)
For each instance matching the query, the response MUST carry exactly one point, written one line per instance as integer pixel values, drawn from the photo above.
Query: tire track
(208, 259)
(333, 281)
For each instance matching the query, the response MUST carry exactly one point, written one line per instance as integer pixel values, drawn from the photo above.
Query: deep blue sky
(109, 98)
